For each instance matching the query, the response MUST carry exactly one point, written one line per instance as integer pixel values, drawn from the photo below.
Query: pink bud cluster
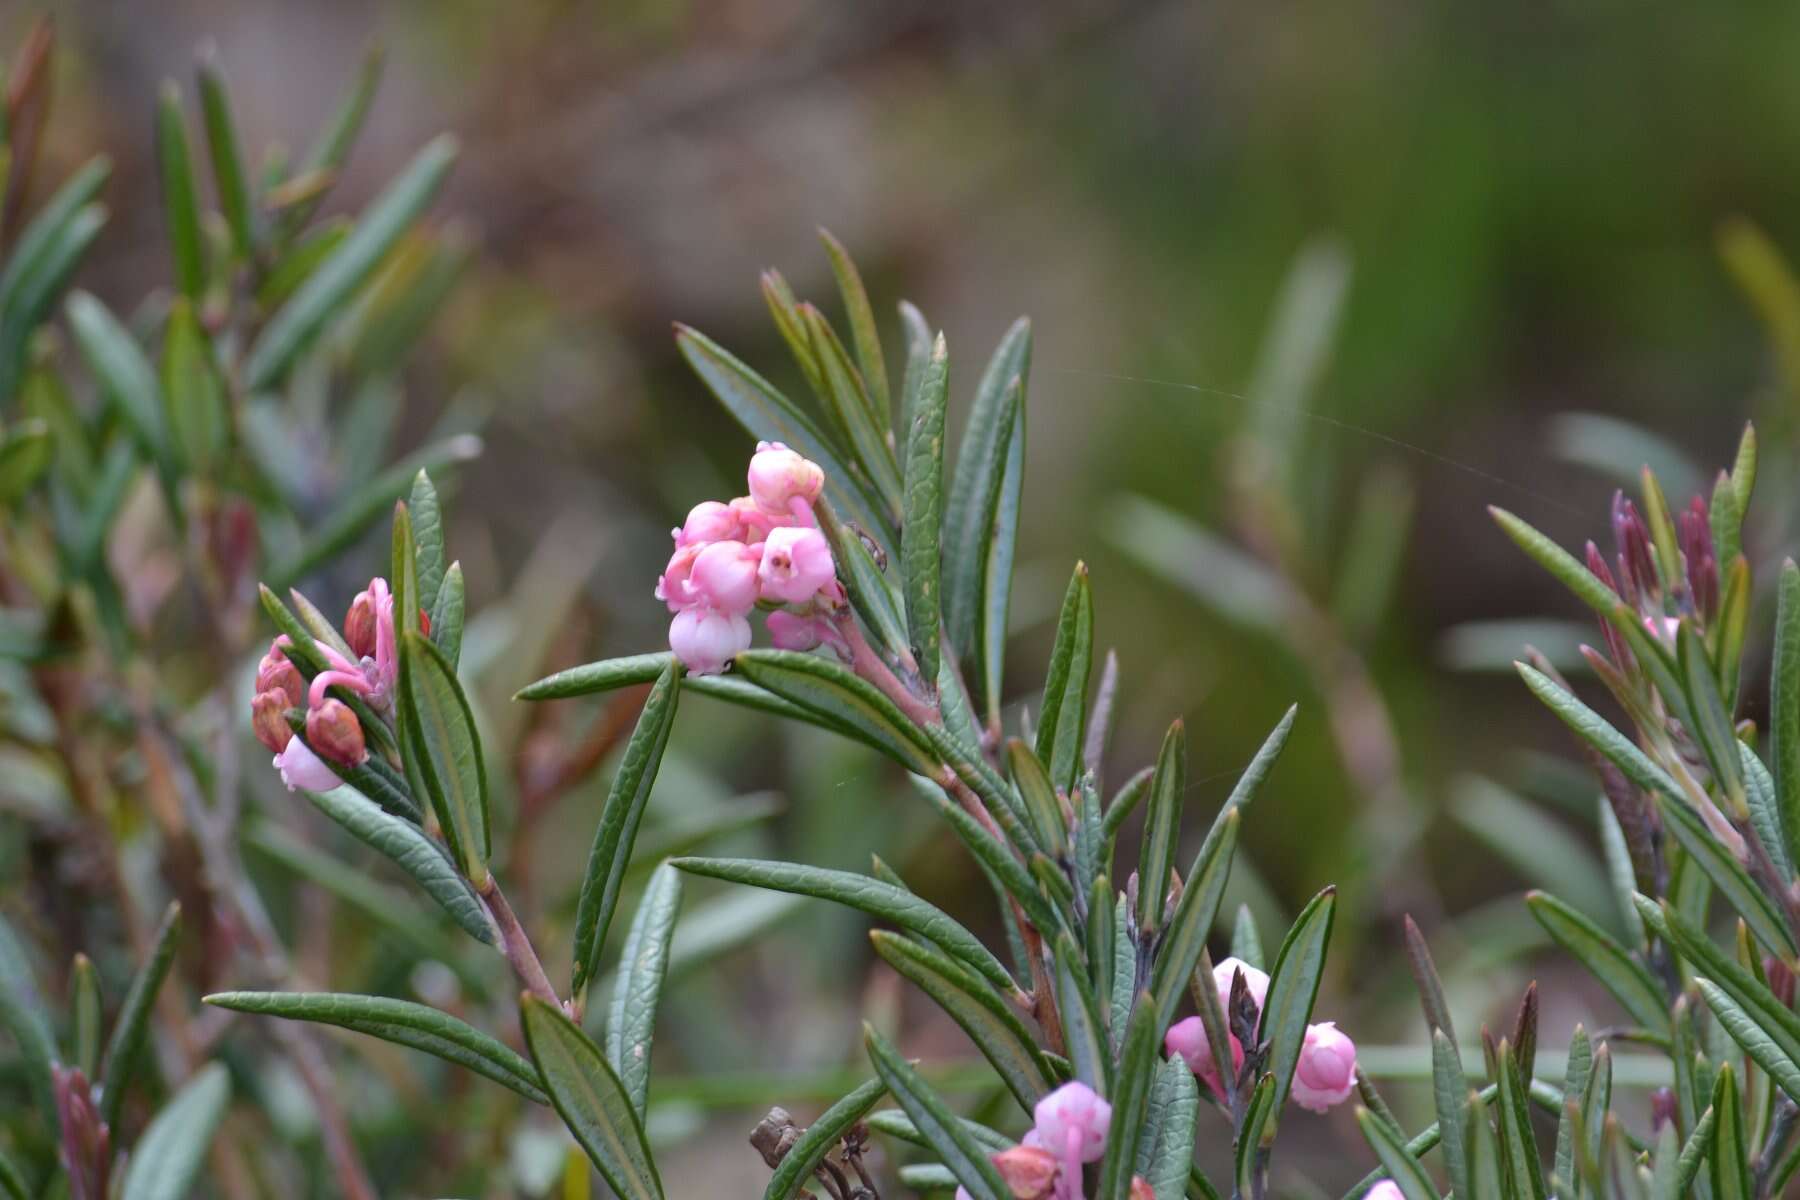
(1325, 1075)
(1069, 1129)
(761, 549)
(333, 733)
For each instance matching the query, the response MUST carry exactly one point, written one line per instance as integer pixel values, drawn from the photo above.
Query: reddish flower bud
(86, 1141)
(1662, 1109)
(276, 673)
(1596, 563)
(268, 718)
(1781, 980)
(1141, 1189)
(335, 734)
(1029, 1171)
(1702, 563)
(359, 625)
(1637, 566)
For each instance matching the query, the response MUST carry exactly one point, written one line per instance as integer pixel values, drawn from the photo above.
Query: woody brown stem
(516, 944)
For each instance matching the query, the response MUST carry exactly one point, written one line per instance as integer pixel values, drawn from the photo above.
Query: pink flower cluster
(332, 731)
(1069, 1129)
(1325, 1075)
(764, 548)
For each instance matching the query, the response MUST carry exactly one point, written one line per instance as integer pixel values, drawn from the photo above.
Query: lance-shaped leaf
(1450, 1095)
(1258, 1117)
(960, 1151)
(181, 211)
(619, 821)
(1293, 986)
(1185, 939)
(227, 161)
(1730, 1156)
(847, 404)
(165, 1164)
(863, 333)
(1784, 705)
(978, 1009)
(593, 1103)
(811, 1147)
(428, 538)
(1430, 986)
(820, 686)
(1162, 828)
(1765, 811)
(1407, 1173)
(1000, 862)
(1042, 809)
(1759, 1041)
(412, 851)
(1084, 1030)
(34, 249)
(84, 1014)
(447, 614)
(896, 1124)
(643, 963)
(1063, 717)
(198, 419)
(920, 558)
(1130, 1097)
(132, 1026)
(325, 293)
(1575, 1082)
(402, 1022)
(1628, 980)
(125, 374)
(1728, 875)
(868, 895)
(1717, 739)
(26, 301)
(1165, 1159)
(1519, 1153)
(771, 416)
(978, 509)
(445, 747)
(863, 580)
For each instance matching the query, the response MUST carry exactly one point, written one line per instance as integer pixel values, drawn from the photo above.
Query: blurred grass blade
(1164, 1160)
(1130, 1097)
(1063, 716)
(1162, 828)
(824, 687)
(331, 148)
(412, 851)
(619, 820)
(1628, 980)
(448, 745)
(33, 294)
(300, 261)
(863, 333)
(428, 539)
(868, 895)
(125, 374)
(1083, 1029)
(298, 322)
(1784, 706)
(592, 1101)
(966, 1157)
(25, 455)
(820, 1138)
(1185, 939)
(401, 1022)
(181, 208)
(198, 418)
(1293, 986)
(1731, 1177)
(1296, 352)
(34, 250)
(85, 1009)
(978, 1009)
(227, 160)
(643, 965)
(1402, 1168)
(166, 1162)
(920, 556)
(132, 1025)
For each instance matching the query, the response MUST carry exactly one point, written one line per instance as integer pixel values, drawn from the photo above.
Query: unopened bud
(335, 734)
(774, 1136)
(359, 625)
(1029, 1171)
(1781, 980)
(1702, 562)
(1596, 564)
(1662, 1109)
(268, 718)
(1141, 1189)
(86, 1141)
(276, 673)
(1637, 566)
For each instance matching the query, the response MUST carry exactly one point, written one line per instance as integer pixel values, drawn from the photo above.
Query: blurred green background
(1522, 207)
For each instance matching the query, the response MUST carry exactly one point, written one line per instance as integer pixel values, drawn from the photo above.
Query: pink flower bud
(674, 586)
(724, 577)
(1257, 982)
(1141, 1189)
(791, 631)
(360, 625)
(1663, 1109)
(335, 734)
(796, 563)
(275, 673)
(779, 476)
(1385, 1189)
(268, 718)
(756, 523)
(1073, 1117)
(1326, 1074)
(1187, 1038)
(301, 768)
(1029, 1171)
(710, 521)
(705, 640)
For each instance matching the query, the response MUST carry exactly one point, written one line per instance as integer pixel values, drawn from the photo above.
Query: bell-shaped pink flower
(705, 640)
(1384, 1189)
(1187, 1038)
(1257, 982)
(1073, 1116)
(796, 563)
(710, 521)
(268, 719)
(1029, 1171)
(674, 586)
(1326, 1074)
(301, 768)
(779, 476)
(725, 576)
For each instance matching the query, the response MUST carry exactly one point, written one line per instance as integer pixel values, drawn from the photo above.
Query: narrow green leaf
(1130, 1097)
(966, 1157)
(998, 550)
(1518, 1148)
(227, 161)
(863, 333)
(1185, 938)
(593, 1103)
(1628, 980)
(402, 1022)
(300, 262)
(978, 1009)
(1041, 807)
(25, 455)
(920, 556)
(865, 894)
(26, 301)
(12, 1181)
(428, 539)
(1430, 986)
(198, 418)
(1765, 811)
(165, 1164)
(125, 375)
(181, 211)
(1293, 986)
(1450, 1092)
(1402, 1168)
(1727, 521)
(1165, 1160)
(619, 820)
(412, 851)
(84, 1015)
(1730, 1156)
(1485, 1182)
(1084, 1032)
(1784, 706)
(1714, 732)
(1162, 828)
(446, 746)
(896, 1124)
(132, 1025)
(35, 248)
(867, 586)
(1263, 761)
(1754, 1034)
(1621, 872)
(297, 323)
(1258, 1113)
(1559, 562)
(1018, 883)
(1063, 717)
(447, 615)
(1575, 1081)
(824, 687)
(1246, 943)
(820, 1138)
(643, 963)
(1666, 1165)
(1728, 875)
